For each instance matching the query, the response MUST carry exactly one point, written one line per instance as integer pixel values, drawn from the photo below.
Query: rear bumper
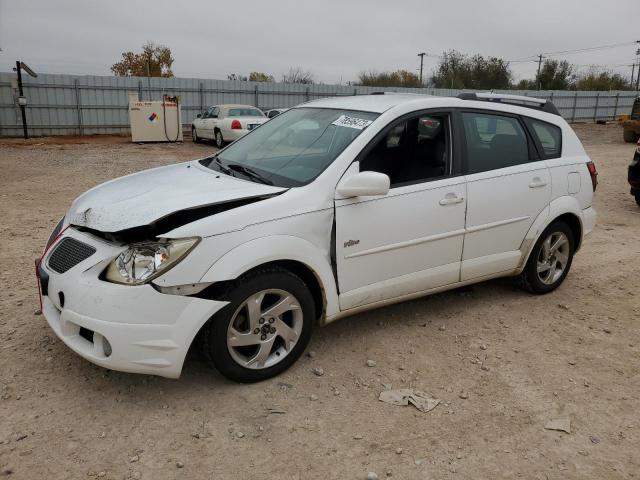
(126, 328)
(232, 135)
(589, 217)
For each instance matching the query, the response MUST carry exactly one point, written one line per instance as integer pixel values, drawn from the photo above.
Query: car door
(508, 185)
(211, 122)
(409, 240)
(198, 124)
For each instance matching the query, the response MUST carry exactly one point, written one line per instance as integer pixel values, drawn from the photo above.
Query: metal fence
(85, 105)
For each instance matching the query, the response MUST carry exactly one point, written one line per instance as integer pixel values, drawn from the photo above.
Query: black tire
(219, 140)
(630, 136)
(529, 279)
(215, 333)
(194, 135)
(637, 195)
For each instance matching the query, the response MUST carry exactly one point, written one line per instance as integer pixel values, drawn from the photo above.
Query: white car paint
(414, 240)
(220, 118)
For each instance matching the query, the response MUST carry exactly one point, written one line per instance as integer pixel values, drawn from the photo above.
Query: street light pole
(20, 102)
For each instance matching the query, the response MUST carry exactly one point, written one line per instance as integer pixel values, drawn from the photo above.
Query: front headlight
(144, 261)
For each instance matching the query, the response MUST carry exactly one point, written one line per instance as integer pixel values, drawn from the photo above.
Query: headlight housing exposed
(144, 261)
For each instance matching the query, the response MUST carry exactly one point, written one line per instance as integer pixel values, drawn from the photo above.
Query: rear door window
(493, 142)
(549, 137)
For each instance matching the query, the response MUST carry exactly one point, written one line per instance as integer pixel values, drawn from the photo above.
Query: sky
(333, 39)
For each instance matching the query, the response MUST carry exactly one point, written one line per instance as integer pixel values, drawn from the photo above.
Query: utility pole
(638, 79)
(149, 75)
(421, 55)
(633, 74)
(540, 57)
(22, 100)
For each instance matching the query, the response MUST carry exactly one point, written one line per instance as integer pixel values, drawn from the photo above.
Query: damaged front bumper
(134, 329)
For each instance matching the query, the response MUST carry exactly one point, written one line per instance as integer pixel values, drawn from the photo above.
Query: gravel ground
(503, 363)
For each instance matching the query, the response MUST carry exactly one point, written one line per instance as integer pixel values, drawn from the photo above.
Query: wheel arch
(294, 254)
(566, 209)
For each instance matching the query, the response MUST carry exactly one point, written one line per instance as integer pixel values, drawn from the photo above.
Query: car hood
(147, 197)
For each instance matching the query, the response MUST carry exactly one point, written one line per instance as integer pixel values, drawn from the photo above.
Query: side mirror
(365, 184)
(199, 115)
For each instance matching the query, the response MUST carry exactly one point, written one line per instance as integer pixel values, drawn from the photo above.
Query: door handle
(537, 182)
(451, 199)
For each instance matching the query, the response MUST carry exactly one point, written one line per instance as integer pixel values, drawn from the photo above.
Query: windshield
(293, 148)
(245, 112)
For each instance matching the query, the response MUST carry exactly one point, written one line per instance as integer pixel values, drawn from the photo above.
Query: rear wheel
(630, 136)
(550, 260)
(264, 329)
(219, 139)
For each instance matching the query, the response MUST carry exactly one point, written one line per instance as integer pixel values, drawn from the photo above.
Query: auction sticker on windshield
(352, 122)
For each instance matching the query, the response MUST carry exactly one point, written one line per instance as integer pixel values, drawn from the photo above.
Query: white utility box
(156, 121)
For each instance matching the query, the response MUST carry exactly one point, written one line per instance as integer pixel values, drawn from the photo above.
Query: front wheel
(550, 260)
(194, 135)
(265, 327)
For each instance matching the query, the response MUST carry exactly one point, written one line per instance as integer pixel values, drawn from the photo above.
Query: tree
(601, 80)
(260, 77)
(236, 77)
(398, 78)
(457, 70)
(525, 84)
(154, 61)
(555, 75)
(297, 75)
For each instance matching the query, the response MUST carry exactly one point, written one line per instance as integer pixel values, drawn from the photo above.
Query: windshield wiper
(249, 172)
(223, 168)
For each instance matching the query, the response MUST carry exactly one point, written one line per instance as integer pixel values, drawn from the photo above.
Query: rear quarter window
(548, 136)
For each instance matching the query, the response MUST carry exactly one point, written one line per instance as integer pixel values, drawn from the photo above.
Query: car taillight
(594, 174)
(236, 125)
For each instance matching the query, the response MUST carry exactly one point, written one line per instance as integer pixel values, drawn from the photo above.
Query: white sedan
(226, 123)
(334, 207)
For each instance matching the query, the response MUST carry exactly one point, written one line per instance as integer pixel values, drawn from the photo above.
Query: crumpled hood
(147, 196)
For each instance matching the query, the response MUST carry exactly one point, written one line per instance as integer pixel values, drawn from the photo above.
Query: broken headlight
(144, 261)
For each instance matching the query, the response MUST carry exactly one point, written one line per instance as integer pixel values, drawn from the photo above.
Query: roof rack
(519, 100)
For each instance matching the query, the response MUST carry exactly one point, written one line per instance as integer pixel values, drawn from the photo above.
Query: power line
(591, 49)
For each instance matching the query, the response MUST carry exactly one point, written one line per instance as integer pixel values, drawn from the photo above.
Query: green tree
(398, 78)
(525, 84)
(154, 61)
(601, 80)
(260, 77)
(457, 70)
(555, 75)
(237, 77)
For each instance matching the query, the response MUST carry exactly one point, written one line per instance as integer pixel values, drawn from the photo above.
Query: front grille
(68, 253)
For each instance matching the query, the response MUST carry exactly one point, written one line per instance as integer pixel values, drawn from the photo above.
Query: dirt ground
(519, 360)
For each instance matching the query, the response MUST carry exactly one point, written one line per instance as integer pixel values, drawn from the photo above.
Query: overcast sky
(334, 39)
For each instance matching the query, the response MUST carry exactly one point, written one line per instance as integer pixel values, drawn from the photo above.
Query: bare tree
(298, 75)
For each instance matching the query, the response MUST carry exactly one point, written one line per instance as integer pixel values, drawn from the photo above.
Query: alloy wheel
(265, 329)
(553, 258)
